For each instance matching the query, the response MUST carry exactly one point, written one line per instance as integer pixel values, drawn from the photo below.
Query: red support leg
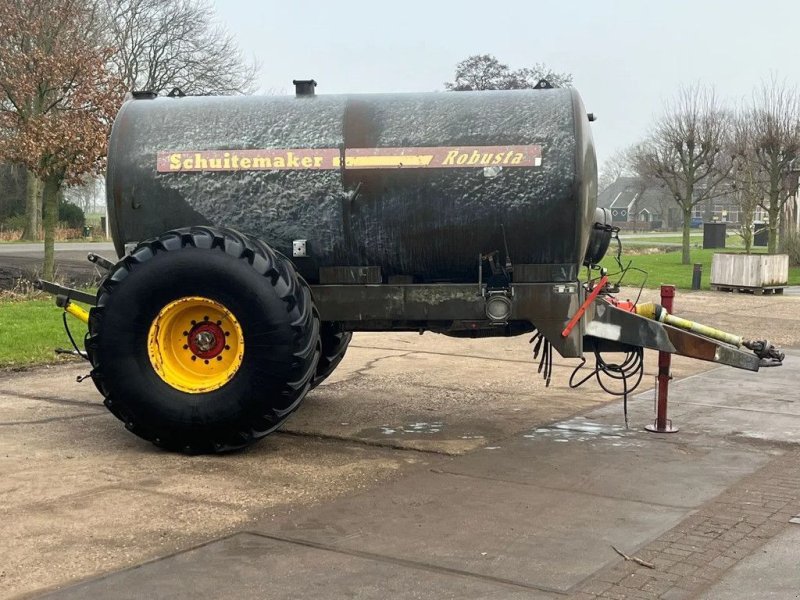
(662, 424)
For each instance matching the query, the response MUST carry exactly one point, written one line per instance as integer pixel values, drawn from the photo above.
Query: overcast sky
(627, 56)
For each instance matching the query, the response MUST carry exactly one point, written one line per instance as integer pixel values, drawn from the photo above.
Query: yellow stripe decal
(317, 159)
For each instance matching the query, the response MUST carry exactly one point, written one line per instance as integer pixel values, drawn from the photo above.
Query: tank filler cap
(143, 95)
(304, 87)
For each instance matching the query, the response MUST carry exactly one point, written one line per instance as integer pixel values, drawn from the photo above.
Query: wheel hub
(195, 344)
(206, 340)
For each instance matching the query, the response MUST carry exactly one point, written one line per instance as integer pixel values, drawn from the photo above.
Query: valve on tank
(497, 290)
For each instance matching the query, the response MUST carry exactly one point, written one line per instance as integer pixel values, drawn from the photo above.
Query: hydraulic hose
(657, 312)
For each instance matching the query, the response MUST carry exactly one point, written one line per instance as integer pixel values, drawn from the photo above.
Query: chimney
(304, 87)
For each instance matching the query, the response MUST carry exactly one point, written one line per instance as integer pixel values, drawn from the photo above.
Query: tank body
(419, 185)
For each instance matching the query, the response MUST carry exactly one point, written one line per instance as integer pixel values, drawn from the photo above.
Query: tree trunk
(687, 229)
(772, 243)
(747, 236)
(33, 203)
(50, 220)
(782, 231)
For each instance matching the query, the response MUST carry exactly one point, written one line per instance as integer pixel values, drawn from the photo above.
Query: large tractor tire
(203, 340)
(334, 344)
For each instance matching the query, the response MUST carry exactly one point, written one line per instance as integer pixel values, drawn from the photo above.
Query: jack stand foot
(654, 428)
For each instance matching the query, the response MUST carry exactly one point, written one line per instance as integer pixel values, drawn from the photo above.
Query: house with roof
(635, 204)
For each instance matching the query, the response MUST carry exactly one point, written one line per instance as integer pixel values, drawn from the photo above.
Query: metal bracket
(69, 293)
(100, 261)
(299, 248)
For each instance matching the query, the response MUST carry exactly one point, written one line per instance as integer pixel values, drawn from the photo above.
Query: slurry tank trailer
(256, 234)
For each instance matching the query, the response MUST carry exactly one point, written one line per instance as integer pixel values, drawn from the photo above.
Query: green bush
(14, 222)
(71, 215)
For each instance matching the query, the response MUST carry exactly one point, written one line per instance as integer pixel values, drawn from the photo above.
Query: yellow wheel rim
(195, 344)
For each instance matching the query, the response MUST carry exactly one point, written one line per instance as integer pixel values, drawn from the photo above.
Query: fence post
(697, 276)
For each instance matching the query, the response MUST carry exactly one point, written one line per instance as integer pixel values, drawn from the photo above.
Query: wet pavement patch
(418, 428)
(581, 429)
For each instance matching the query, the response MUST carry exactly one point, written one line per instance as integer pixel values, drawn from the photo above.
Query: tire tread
(291, 288)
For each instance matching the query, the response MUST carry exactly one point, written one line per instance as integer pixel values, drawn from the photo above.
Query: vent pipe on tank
(304, 87)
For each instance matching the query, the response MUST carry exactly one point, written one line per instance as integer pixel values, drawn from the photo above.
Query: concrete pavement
(419, 455)
(535, 515)
(104, 499)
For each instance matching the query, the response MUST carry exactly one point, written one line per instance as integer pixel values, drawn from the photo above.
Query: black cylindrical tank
(417, 184)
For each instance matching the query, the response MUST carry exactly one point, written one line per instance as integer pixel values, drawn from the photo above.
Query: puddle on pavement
(787, 436)
(580, 429)
(456, 436)
(420, 428)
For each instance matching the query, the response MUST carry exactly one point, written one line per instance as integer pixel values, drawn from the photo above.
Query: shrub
(14, 222)
(71, 215)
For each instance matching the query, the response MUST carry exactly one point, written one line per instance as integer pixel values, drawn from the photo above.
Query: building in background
(636, 205)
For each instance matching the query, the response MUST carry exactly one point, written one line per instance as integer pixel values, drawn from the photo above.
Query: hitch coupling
(770, 355)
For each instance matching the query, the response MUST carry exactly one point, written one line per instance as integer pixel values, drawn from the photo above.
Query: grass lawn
(31, 329)
(732, 241)
(666, 267)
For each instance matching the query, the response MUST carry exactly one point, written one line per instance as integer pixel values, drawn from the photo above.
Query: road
(24, 261)
(62, 248)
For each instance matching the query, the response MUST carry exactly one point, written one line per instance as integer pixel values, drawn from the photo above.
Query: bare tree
(744, 177)
(164, 44)
(485, 72)
(687, 152)
(85, 194)
(773, 123)
(527, 77)
(615, 166)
